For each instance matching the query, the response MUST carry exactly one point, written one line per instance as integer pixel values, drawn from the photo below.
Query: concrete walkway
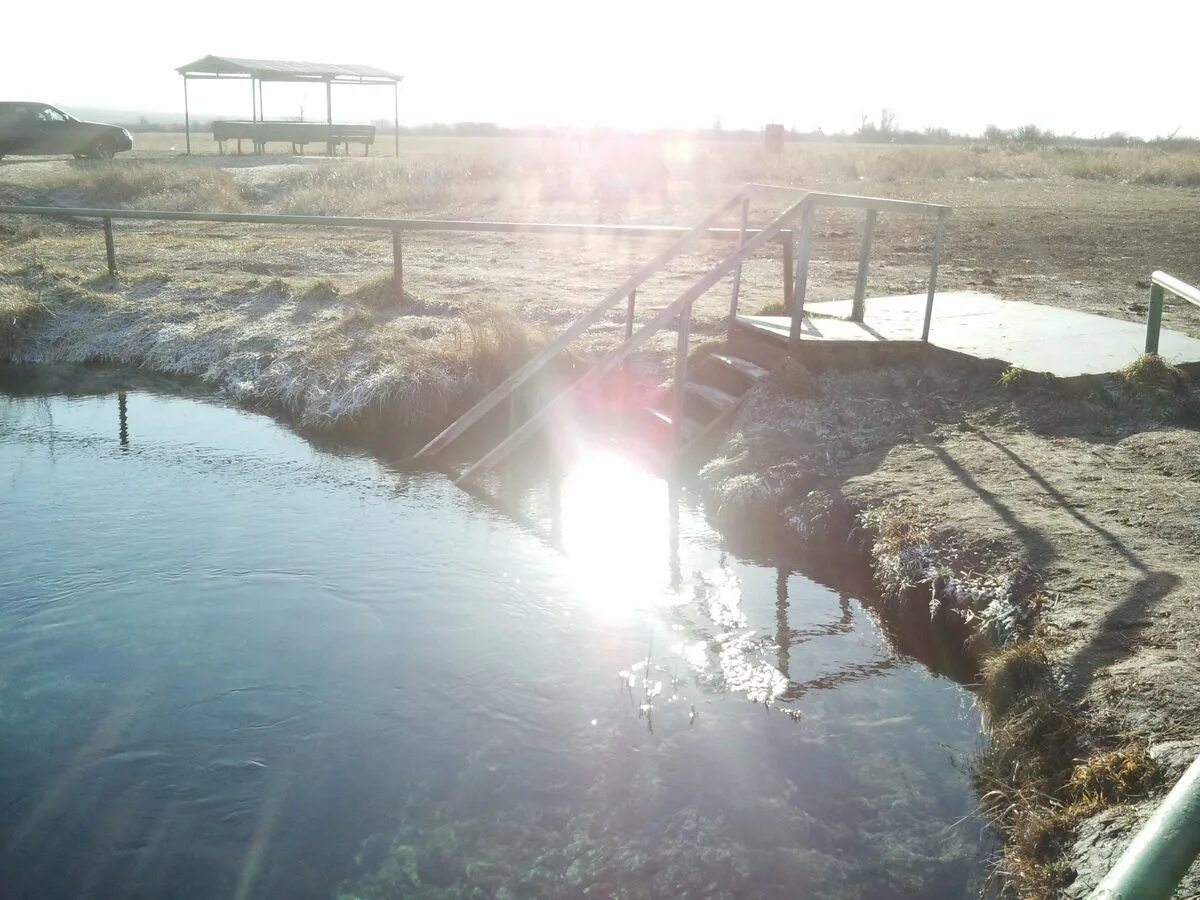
(1039, 338)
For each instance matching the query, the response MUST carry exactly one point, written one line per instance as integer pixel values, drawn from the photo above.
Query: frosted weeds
(322, 361)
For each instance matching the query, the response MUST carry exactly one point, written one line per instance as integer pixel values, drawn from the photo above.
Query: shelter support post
(253, 101)
(329, 114)
(187, 119)
(396, 112)
(110, 247)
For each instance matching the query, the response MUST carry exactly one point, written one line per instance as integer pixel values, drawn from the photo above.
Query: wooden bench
(298, 134)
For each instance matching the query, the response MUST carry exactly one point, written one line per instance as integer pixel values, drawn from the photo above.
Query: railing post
(800, 286)
(397, 264)
(789, 244)
(938, 237)
(737, 273)
(681, 367)
(1159, 855)
(110, 248)
(859, 308)
(1154, 317)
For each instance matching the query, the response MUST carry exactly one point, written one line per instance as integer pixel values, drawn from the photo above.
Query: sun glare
(616, 532)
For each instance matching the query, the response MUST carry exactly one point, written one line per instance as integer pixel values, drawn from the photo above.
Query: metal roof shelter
(259, 70)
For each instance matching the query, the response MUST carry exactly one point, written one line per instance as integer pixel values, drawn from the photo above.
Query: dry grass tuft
(1152, 370)
(1038, 778)
(21, 311)
(1157, 389)
(378, 293)
(1016, 671)
(320, 291)
(1110, 777)
(145, 185)
(372, 187)
(493, 342)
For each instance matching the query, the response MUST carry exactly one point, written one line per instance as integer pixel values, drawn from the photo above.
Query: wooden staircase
(715, 388)
(705, 393)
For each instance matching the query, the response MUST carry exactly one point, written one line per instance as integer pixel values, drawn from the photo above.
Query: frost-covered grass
(298, 346)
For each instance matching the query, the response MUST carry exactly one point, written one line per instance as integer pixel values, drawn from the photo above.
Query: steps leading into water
(717, 384)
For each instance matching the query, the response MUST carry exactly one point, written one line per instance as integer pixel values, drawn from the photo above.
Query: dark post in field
(859, 308)
(938, 237)
(1154, 317)
(629, 307)
(397, 265)
(110, 248)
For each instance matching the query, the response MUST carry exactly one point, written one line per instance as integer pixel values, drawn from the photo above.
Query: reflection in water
(123, 419)
(231, 665)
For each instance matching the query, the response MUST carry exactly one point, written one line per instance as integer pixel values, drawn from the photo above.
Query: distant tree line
(870, 131)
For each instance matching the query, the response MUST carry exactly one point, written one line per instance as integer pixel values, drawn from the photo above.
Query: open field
(1076, 228)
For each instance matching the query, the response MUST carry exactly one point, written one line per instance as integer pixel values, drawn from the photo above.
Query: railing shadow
(1111, 638)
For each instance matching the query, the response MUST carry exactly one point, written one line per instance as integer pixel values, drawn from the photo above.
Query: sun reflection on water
(616, 532)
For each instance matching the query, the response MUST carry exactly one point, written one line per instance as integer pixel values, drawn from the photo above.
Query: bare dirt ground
(1090, 492)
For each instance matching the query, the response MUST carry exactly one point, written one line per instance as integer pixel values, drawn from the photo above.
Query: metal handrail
(555, 347)
(368, 222)
(397, 227)
(1162, 852)
(1160, 284)
(681, 307)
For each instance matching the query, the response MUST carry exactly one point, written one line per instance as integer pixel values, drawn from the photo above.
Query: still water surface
(236, 665)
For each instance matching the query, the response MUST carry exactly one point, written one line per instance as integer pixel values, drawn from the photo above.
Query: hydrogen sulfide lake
(235, 665)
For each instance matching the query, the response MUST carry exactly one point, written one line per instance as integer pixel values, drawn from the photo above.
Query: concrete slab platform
(1039, 338)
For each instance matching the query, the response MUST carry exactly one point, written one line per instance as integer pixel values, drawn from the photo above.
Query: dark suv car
(33, 129)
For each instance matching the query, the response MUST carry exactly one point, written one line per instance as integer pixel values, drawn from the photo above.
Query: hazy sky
(1087, 68)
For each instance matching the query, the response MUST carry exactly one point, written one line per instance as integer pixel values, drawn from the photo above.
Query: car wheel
(103, 148)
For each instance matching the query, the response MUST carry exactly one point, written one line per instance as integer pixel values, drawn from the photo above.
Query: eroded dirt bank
(1059, 520)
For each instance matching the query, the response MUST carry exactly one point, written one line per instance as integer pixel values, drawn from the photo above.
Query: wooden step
(718, 399)
(753, 371)
(688, 428)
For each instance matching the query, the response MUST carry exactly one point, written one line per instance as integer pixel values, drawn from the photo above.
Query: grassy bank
(303, 347)
(1010, 507)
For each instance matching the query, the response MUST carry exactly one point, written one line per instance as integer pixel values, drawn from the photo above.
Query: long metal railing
(396, 227)
(1161, 284)
(793, 228)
